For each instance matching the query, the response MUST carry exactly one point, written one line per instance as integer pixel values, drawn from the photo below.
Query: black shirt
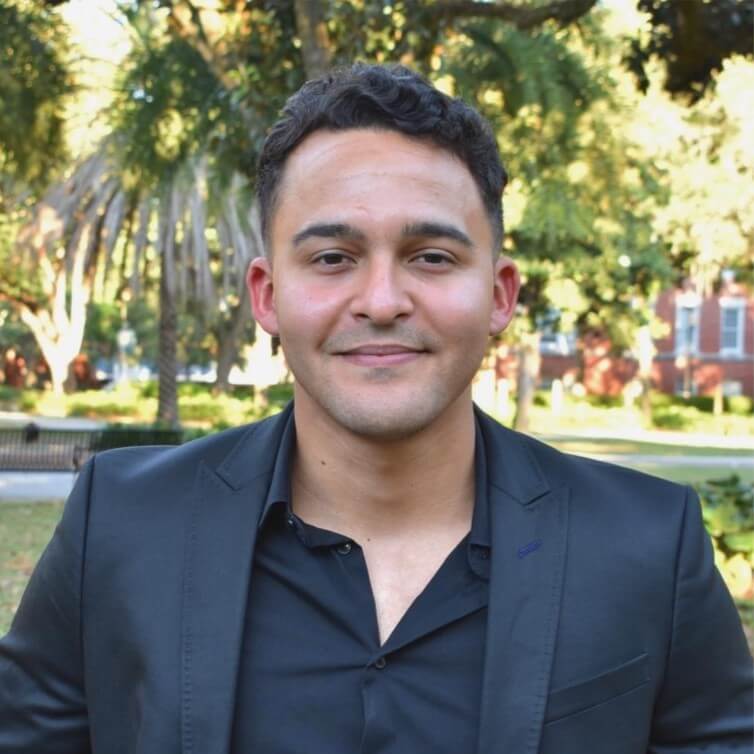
(314, 678)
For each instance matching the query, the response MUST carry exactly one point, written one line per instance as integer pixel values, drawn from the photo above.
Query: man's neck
(369, 489)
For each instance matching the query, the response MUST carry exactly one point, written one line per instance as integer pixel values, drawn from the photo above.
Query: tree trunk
(315, 41)
(228, 335)
(167, 406)
(527, 378)
(646, 352)
(59, 332)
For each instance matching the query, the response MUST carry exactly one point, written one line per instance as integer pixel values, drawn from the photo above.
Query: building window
(732, 311)
(686, 329)
(732, 388)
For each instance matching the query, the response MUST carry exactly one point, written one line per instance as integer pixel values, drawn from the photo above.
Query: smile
(381, 355)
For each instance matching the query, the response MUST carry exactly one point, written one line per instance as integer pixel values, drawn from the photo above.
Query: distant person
(381, 568)
(83, 373)
(14, 368)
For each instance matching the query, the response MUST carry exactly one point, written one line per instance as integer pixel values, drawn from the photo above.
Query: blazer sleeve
(42, 697)
(706, 699)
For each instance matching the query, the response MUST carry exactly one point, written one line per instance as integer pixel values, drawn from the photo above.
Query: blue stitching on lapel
(529, 548)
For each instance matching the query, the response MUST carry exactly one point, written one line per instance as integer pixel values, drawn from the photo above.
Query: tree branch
(521, 16)
(18, 299)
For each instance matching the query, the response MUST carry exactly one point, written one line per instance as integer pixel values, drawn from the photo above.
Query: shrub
(9, 398)
(280, 394)
(542, 398)
(605, 401)
(741, 405)
(728, 509)
(149, 389)
(673, 417)
(124, 435)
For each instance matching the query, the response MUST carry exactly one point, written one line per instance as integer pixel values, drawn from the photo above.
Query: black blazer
(609, 632)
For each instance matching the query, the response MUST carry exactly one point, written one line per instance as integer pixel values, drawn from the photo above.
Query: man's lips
(381, 354)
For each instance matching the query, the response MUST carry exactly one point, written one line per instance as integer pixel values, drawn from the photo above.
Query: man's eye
(434, 258)
(330, 259)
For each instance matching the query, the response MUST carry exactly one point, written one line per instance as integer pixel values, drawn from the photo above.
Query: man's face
(381, 281)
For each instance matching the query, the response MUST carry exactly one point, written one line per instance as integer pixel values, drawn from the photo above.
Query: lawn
(586, 446)
(24, 531)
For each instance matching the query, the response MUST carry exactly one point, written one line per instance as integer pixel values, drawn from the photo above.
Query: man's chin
(384, 422)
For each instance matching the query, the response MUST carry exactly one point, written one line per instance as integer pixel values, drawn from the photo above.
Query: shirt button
(380, 663)
(344, 548)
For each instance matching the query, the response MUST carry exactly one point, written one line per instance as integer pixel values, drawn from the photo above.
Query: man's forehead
(374, 178)
(362, 146)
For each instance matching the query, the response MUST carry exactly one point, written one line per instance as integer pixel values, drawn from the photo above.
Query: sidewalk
(37, 486)
(20, 419)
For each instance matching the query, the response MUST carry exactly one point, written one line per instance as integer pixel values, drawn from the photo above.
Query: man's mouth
(381, 354)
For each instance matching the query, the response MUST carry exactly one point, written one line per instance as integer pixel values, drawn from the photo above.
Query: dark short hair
(383, 97)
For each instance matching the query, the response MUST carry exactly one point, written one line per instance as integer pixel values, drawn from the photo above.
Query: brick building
(710, 343)
(709, 346)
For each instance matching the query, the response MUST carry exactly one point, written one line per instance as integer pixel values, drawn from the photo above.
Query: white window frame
(737, 304)
(690, 304)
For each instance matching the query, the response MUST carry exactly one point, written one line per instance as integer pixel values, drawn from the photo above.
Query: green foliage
(174, 104)
(125, 435)
(741, 405)
(579, 224)
(692, 38)
(728, 509)
(35, 84)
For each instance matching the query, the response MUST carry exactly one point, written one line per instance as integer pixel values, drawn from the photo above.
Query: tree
(204, 81)
(693, 38)
(50, 267)
(36, 83)
(210, 79)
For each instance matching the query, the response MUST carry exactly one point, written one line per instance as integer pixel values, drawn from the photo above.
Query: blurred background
(129, 131)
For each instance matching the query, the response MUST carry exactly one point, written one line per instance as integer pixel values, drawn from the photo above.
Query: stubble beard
(382, 411)
(379, 405)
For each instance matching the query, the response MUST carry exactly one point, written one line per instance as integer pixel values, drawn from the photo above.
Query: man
(380, 568)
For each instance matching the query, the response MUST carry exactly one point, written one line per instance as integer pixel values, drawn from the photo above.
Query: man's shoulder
(254, 442)
(587, 479)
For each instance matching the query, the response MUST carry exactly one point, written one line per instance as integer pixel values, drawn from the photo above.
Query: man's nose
(382, 296)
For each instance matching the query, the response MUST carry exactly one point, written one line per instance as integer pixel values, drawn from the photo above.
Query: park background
(129, 132)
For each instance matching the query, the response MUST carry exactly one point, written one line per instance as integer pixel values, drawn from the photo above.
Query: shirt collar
(280, 484)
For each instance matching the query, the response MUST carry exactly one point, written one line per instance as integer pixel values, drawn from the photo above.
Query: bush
(279, 394)
(149, 389)
(202, 408)
(9, 398)
(674, 417)
(542, 398)
(740, 405)
(124, 435)
(605, 401)
(728, 509)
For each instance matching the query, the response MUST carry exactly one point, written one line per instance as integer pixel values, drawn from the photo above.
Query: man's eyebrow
(329, 230)
(436, 230)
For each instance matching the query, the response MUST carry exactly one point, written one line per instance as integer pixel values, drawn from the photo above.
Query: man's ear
(261, 294)
(507, 284)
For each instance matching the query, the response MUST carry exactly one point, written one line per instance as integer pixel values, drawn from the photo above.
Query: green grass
(691, 474)
(584, 446)
(25, 529)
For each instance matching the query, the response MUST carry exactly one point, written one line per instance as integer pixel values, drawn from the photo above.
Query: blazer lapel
(220, 538)
(529, 530)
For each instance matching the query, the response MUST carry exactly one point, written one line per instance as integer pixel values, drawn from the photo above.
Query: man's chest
(314, 669)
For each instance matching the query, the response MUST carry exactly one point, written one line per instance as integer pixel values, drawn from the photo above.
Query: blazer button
(344, 548)
(380, 663)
